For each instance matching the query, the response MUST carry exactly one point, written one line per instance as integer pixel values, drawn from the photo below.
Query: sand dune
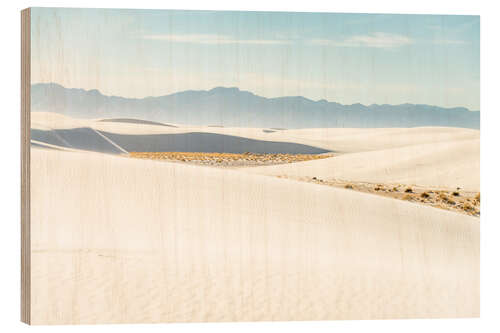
(348, 140)
(436, 165)
(89, 139)
(134, 121)
(118, 136)
(345, 140)
(126, 240)
(81, 138)
(207, 143)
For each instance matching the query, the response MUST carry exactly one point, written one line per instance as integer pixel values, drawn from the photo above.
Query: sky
(344, 58)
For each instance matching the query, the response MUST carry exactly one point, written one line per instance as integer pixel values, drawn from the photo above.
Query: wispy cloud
(376, 40)
(448, 42)
(211, 39)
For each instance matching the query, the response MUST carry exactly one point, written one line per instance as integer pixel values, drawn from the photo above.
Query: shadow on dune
(78, 138)
(104, 142)
(38, 145)
(134, 121)
(207, 143)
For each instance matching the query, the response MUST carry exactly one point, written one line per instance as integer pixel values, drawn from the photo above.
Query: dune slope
(126, 240)
(444, 165)
(343, 140)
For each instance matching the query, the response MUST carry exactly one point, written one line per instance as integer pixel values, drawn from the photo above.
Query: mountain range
(234, 107)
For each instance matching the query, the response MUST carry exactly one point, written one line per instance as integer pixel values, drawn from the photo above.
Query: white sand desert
(117, 239)
(445, 165)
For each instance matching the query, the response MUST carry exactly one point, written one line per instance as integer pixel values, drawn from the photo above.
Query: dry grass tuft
(348, 186)
(468, 207)
(478, 197)
(407, 197)
(446, 199)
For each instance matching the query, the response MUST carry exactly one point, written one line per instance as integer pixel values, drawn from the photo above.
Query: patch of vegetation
(407, 197)
(468, 207)
(446, 199)
(227, 159)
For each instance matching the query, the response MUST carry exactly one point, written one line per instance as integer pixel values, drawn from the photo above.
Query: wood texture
(25, 166)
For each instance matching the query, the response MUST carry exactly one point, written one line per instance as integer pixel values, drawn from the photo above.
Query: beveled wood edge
(25, 165)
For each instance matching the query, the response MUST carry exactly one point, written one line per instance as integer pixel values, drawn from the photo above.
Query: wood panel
(284, 173)
(25, 166)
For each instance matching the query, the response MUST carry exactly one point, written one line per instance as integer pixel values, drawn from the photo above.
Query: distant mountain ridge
(234, 107)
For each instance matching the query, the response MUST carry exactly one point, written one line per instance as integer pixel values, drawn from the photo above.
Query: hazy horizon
(346, 58)
(241, 108)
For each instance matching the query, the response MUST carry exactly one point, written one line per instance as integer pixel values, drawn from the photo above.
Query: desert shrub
(456, 194)
(467, 207)
(424, 195)
(446, 199)
(409, 190)
(395, 189)
(348, 186)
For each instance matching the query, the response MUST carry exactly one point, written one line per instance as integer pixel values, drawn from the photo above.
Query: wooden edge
(25, 166)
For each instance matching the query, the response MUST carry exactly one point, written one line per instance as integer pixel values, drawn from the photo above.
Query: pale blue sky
(347, 58)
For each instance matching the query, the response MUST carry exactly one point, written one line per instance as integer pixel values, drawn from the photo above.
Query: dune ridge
(342, 140)
(445, 165)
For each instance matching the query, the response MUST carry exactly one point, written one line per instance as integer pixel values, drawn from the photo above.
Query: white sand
(348, 140)
(343, 140)
(445, 165)
(121, 240)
